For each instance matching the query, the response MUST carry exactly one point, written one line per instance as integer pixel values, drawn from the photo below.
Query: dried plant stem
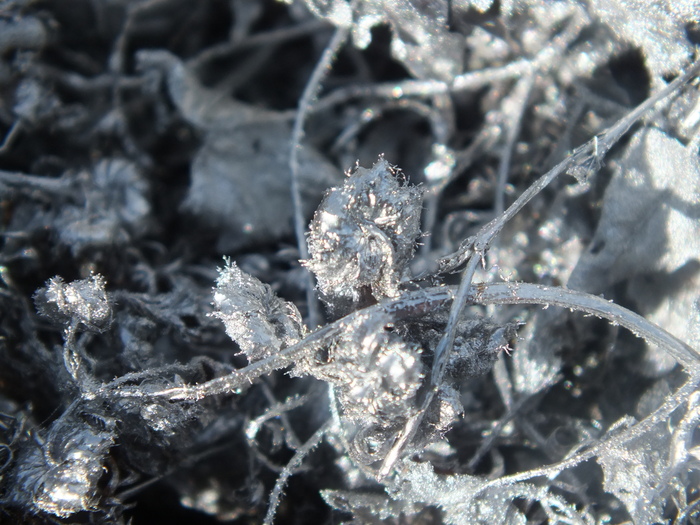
(288, 471)
(267, 38)
(495, 432)
(544, 59)
(521, 94)
(10, 136)
(619, 438)
(425, 88)
(418, 303)
(307, 97)
(22, 181)
(586, 157)
(523, 293)
(512, 293)
(276, 410)
(439, 365)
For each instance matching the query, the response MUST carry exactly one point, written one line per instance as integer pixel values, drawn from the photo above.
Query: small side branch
(288, 471)
(523, 293)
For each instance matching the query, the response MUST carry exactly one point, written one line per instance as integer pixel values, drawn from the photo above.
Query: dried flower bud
(387, 378)
(376, 375)
(62, 475)
(82, 302)
(255, 318)
(363, 235)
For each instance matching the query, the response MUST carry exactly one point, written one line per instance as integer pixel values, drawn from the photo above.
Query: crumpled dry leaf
(649, 235)
(649, 218)
(116, 208)
(241, 177)
(241, 180)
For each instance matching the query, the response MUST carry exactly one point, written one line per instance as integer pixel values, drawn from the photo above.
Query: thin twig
(288, 471)
(308, 96)
(587, 157)
(419, 303)
(264, 38)
(524, 293)
(521, 94)
(543, 60)
(61, 186)
(425, 88)
(624, 436)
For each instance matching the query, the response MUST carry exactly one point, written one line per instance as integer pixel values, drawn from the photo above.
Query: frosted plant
(81, 303)
(512, 392)
(255, 318)
(363, 235)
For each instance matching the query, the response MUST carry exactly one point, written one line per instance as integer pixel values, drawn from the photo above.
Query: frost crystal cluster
(493, 317)
(83, 302)
(363, 235)
(376, 375)
(255, 318)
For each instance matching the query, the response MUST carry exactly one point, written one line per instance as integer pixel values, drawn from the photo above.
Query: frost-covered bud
(363, 235)
(375, 372)
(386, 380)
(82, 302)
(255, 318)
(376, 375)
